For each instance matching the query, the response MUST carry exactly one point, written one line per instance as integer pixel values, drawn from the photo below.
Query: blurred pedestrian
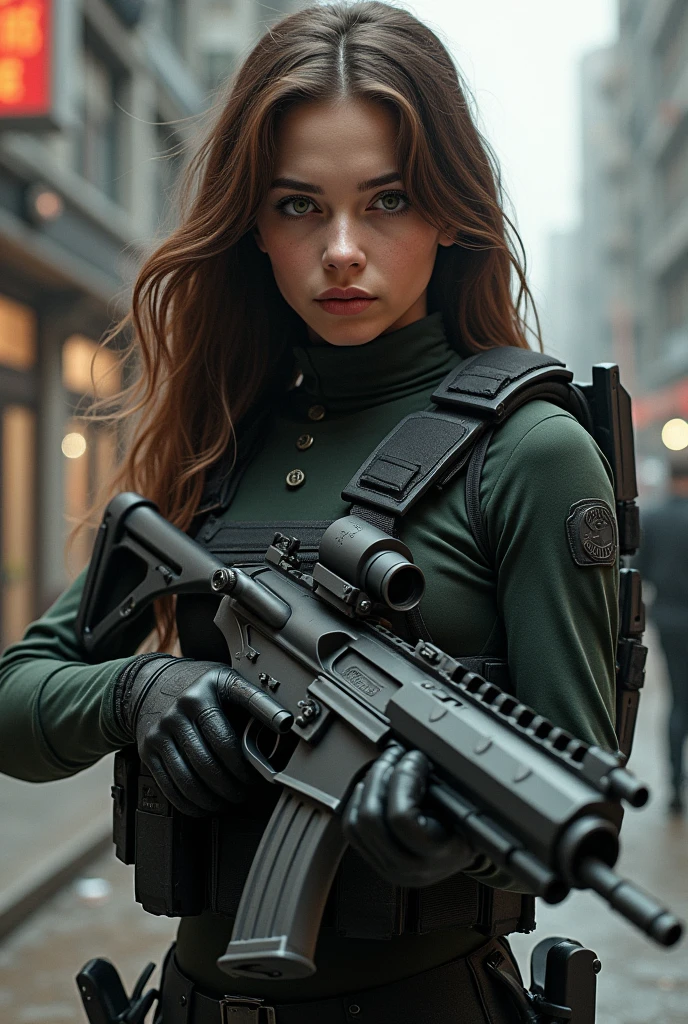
(663, 560)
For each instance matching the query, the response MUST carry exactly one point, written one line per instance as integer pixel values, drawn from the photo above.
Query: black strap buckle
(246, 1010)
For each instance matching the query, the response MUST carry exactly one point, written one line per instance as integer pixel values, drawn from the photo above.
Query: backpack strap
(473, 476)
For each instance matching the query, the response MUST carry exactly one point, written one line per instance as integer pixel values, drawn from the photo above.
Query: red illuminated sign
(25, 58)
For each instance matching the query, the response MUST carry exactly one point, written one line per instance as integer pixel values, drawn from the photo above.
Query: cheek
(409, 253)
(290, 259)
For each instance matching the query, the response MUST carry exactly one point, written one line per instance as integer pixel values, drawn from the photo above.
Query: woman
(344, 248)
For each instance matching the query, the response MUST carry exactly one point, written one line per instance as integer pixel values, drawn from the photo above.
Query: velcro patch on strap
(418, 452)
(484, 381)
(385, 473)
(495, 382)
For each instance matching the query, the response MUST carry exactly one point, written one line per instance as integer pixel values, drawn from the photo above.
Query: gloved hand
(174, 709)
(384, 822)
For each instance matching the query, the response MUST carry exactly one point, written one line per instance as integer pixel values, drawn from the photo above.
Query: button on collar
(304, 441)
(316, 412)
(295, 477)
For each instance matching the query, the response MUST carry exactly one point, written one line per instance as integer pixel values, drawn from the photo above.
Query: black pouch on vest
(235, 839)
(171, 855)
(125, 791)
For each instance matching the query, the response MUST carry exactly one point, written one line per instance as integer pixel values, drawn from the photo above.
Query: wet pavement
(96, 916)
(41, 824)
(639, 983)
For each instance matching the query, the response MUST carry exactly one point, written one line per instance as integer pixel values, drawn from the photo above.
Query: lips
(346, 307)
(344, 293)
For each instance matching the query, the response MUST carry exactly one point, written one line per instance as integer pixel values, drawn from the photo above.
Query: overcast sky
(521, 59)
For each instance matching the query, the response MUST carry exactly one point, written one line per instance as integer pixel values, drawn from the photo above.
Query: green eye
(390, 202)
(393, 202)
(299, 206)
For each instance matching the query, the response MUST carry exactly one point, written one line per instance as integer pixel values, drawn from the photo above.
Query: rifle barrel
(630, 901)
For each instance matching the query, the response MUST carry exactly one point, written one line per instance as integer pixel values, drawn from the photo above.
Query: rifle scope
(372, 561)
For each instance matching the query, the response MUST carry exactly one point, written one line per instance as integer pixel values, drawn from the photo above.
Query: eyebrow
(363, 186)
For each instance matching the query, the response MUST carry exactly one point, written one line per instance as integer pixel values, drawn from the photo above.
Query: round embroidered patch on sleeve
(592, 533)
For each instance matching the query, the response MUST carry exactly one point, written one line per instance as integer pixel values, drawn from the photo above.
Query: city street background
(586, 107)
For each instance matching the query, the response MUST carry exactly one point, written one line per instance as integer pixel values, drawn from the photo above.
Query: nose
(342, 249)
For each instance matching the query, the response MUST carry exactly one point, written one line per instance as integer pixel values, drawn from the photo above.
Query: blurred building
(562, 309)
(97, 99)
(588, 294)
(228, 29)
(653, 57)
(605, 244)
(629, 285)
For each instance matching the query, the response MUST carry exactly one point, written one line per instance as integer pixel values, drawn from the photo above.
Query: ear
(259, 239)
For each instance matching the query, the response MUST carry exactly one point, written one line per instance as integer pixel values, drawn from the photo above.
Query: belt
(460, 992)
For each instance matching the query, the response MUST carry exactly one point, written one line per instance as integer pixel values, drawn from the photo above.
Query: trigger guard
(254, 754)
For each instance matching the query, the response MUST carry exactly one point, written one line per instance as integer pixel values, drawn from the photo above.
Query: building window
(96, 136)
(17, 335)
(675, 298)
(172, 15)
(79, 355)
(674, 172)
(89, 448)
(90, 457)
(673, 47)
(218, 68)
(18, 429)
(631, 12)
(169, 162)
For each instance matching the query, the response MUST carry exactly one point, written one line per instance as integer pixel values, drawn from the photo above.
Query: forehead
(336, 137)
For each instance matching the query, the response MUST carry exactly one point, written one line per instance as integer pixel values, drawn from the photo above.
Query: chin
(347, 335)
(350, 342)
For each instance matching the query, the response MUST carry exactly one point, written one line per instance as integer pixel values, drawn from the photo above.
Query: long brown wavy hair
(209, 330)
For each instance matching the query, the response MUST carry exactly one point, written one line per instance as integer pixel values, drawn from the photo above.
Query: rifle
(331, 687)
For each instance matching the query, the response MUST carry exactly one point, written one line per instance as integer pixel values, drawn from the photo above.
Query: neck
(349, 378)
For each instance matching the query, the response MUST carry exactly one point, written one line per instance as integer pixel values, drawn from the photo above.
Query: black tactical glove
(384, 822)
(174, 709)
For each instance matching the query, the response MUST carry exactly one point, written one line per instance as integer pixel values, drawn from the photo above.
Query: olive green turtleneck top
(554, 620)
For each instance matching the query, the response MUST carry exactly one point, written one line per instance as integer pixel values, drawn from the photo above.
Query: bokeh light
(675, 435)
(48, 205)
(74, 445)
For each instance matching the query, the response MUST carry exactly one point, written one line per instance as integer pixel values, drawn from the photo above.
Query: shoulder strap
(428, 448)
(494, 383)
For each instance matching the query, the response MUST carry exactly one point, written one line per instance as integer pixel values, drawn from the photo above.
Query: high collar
(350, 378)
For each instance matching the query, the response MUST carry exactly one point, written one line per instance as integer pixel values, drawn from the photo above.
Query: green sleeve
(561, 618)
(56, 714)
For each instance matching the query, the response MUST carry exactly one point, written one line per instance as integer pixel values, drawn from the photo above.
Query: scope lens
(391, 578)
(402, 587)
